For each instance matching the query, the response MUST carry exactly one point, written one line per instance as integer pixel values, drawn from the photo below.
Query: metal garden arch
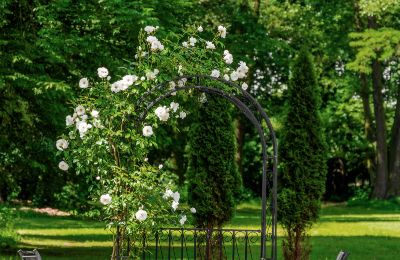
(249, 106)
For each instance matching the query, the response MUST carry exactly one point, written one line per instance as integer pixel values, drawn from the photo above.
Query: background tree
(303, 155)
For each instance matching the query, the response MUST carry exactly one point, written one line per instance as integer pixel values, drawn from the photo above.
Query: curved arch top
(238, 97)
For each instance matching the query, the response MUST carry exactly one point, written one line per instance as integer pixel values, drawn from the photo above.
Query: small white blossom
(149, 29)
(155, 44)
(84, 117)
(97, 123)
(130, 79)
(63, 166)
(200, 28)
(215, 73)
(102, 72)
(182, 82)
(83, 83)
(62, 144)
(160, 166)
(94, 113)
(162, 113)
(168, 193)
(244, 86)
(182, 115)
(222, 31)
(151, 75)
(142, 78)
(105, 199)
(228, 58)
(192, 41)
(146, 159)
(69, 120)
(176, 196)
(175, 205)
(234, 76)
(147, 131)
(83, 127)
(98, 178)
(210, 45)
(226, 77)
(108, 77)
(183, 220)
(141, 215)
(193, 210)
(185, 44)
(80, 110)
(174, 106)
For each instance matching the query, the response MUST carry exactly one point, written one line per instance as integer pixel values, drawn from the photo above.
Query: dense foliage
(303, 156)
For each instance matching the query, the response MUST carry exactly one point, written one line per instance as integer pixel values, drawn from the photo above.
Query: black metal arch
(239, 98)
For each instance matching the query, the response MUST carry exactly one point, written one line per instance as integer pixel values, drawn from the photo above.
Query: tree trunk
(394, 156)
(381, 180)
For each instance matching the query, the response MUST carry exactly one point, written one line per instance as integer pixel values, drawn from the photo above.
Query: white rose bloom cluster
(192, 41)
(228, 58)
(155, 44)
(62, 144)
(175, 198)
(83, 83)
(240, 72)
(151, 75)
(222, 31)
(150, 29)
(210, 45)
(105, 199)
(124, 83)
(215, 73)
(141, 215)
(102, 72)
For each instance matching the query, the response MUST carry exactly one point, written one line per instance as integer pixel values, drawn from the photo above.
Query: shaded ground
(366, 231)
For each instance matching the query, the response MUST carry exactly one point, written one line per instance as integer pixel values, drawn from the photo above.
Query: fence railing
(195, 243)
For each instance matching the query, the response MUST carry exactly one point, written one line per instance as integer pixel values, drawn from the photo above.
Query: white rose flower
(63, 166)
(147, 131)
(210, 45)
(175, 205)
(182, 115)
(222, 31)
(146, 159)
(98, 178)
(160, 166)
(62, 144)
(155, 44)
(215, 73)
(182, 82)
(234, 76)
(69, 120)
(183, 220)
(185, 44)
(200, 28)
(149, 29)
(130, 79)
(226, 77)
(94, 113)
(151, 75)
(193, 210)
(141, 215)
(105, 199)
(83, 83)
(162, 113)
(176, 196)
(244, 86)
(80, 110)
(192, 41)
(174, 106)
(84, 117)
(102, 72)
(228, 58)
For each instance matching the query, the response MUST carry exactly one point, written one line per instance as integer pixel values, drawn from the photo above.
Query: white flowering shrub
(107, 146)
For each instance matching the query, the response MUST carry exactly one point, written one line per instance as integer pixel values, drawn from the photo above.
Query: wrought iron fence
(195, 243)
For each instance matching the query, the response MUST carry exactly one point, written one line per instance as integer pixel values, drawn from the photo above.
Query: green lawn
(366, 231)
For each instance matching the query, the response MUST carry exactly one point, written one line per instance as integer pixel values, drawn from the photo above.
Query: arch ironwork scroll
(267, 234)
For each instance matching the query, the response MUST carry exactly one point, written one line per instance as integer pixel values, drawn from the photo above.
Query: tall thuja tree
(303, 156)
(213, 177)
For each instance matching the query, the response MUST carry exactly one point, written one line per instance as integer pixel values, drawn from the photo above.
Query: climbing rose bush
(107, 146)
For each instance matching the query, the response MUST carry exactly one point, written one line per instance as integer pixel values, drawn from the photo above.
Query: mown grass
(367, 231)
